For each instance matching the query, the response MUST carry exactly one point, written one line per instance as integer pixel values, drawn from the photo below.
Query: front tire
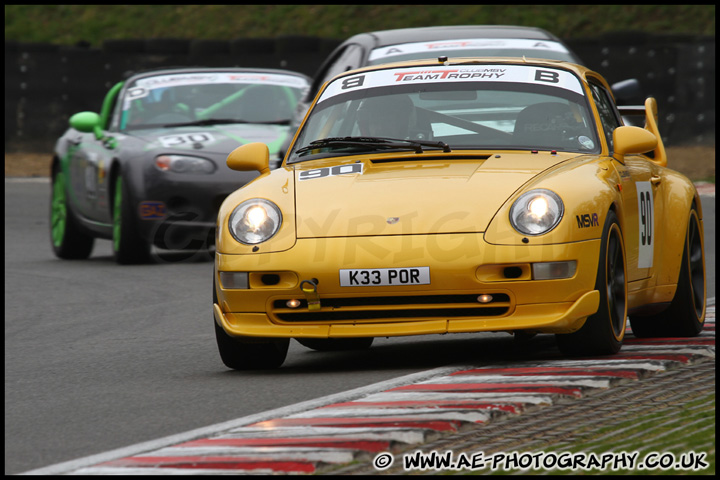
(128, 246)
(68, 241)
(685, 316)
(249, 353)
(603, 332)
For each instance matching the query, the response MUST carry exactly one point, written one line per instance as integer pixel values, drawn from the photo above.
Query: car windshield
(473, 47)
(456, 107)
(206, 98)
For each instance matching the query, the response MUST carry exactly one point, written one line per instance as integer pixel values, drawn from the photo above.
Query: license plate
(377, 277)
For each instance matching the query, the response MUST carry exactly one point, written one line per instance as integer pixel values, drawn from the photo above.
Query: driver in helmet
(388, 116)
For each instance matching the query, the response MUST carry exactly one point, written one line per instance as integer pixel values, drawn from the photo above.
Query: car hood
(410, 196)
(213, 139)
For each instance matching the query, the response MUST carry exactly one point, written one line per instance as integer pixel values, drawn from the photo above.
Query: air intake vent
(393, 308)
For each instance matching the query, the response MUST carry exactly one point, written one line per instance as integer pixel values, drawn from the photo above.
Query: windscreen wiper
(206, 122)
(373, 142)
(224, 121)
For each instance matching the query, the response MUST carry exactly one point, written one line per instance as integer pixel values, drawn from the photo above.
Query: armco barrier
(45, 84)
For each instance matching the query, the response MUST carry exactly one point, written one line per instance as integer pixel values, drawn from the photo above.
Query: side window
(348, 58)
(608, 113)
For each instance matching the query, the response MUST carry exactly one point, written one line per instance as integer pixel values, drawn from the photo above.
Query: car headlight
(255, 221)
(536, 212)
(184, 164)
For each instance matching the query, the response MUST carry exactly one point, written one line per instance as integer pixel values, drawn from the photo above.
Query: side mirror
(87, 122)
(249, 157)
(630, 140)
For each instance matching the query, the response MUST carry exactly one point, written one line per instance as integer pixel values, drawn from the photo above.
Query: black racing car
(373, 48)
(150, 169)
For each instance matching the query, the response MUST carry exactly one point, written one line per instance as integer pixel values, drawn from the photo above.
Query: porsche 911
(456, 196)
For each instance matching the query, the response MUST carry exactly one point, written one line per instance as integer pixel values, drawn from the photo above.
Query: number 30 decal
(646, 219)
(185, 139)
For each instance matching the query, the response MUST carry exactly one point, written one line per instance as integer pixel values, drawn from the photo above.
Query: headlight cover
(536, 212)
(255, 221)
(184, 164)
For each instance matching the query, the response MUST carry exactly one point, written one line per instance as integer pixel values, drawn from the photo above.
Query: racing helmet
(386, 116)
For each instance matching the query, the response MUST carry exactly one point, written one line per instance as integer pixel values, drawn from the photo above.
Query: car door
(642, 192)
(89, 163)
(87, 167)
(639, 187)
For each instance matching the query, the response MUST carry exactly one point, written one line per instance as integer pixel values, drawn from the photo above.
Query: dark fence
(45, 84)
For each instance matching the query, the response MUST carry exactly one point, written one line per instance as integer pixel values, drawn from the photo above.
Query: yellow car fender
(583, 218)
(278, 186)
(679, 194)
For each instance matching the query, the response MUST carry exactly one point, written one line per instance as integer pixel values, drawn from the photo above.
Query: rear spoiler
(631, 110)
(650, 112)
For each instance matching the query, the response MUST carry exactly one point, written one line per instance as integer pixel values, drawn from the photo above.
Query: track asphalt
(549, 402)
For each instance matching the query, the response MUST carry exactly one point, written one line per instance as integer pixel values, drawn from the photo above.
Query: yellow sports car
(459, 195)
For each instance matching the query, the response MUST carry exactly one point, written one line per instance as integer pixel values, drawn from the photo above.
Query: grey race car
(150, 169)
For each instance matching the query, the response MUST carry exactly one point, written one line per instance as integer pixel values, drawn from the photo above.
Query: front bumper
(179, 211)
(462, 268)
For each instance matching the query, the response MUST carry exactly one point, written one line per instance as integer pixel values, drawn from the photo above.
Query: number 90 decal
(646, 224)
